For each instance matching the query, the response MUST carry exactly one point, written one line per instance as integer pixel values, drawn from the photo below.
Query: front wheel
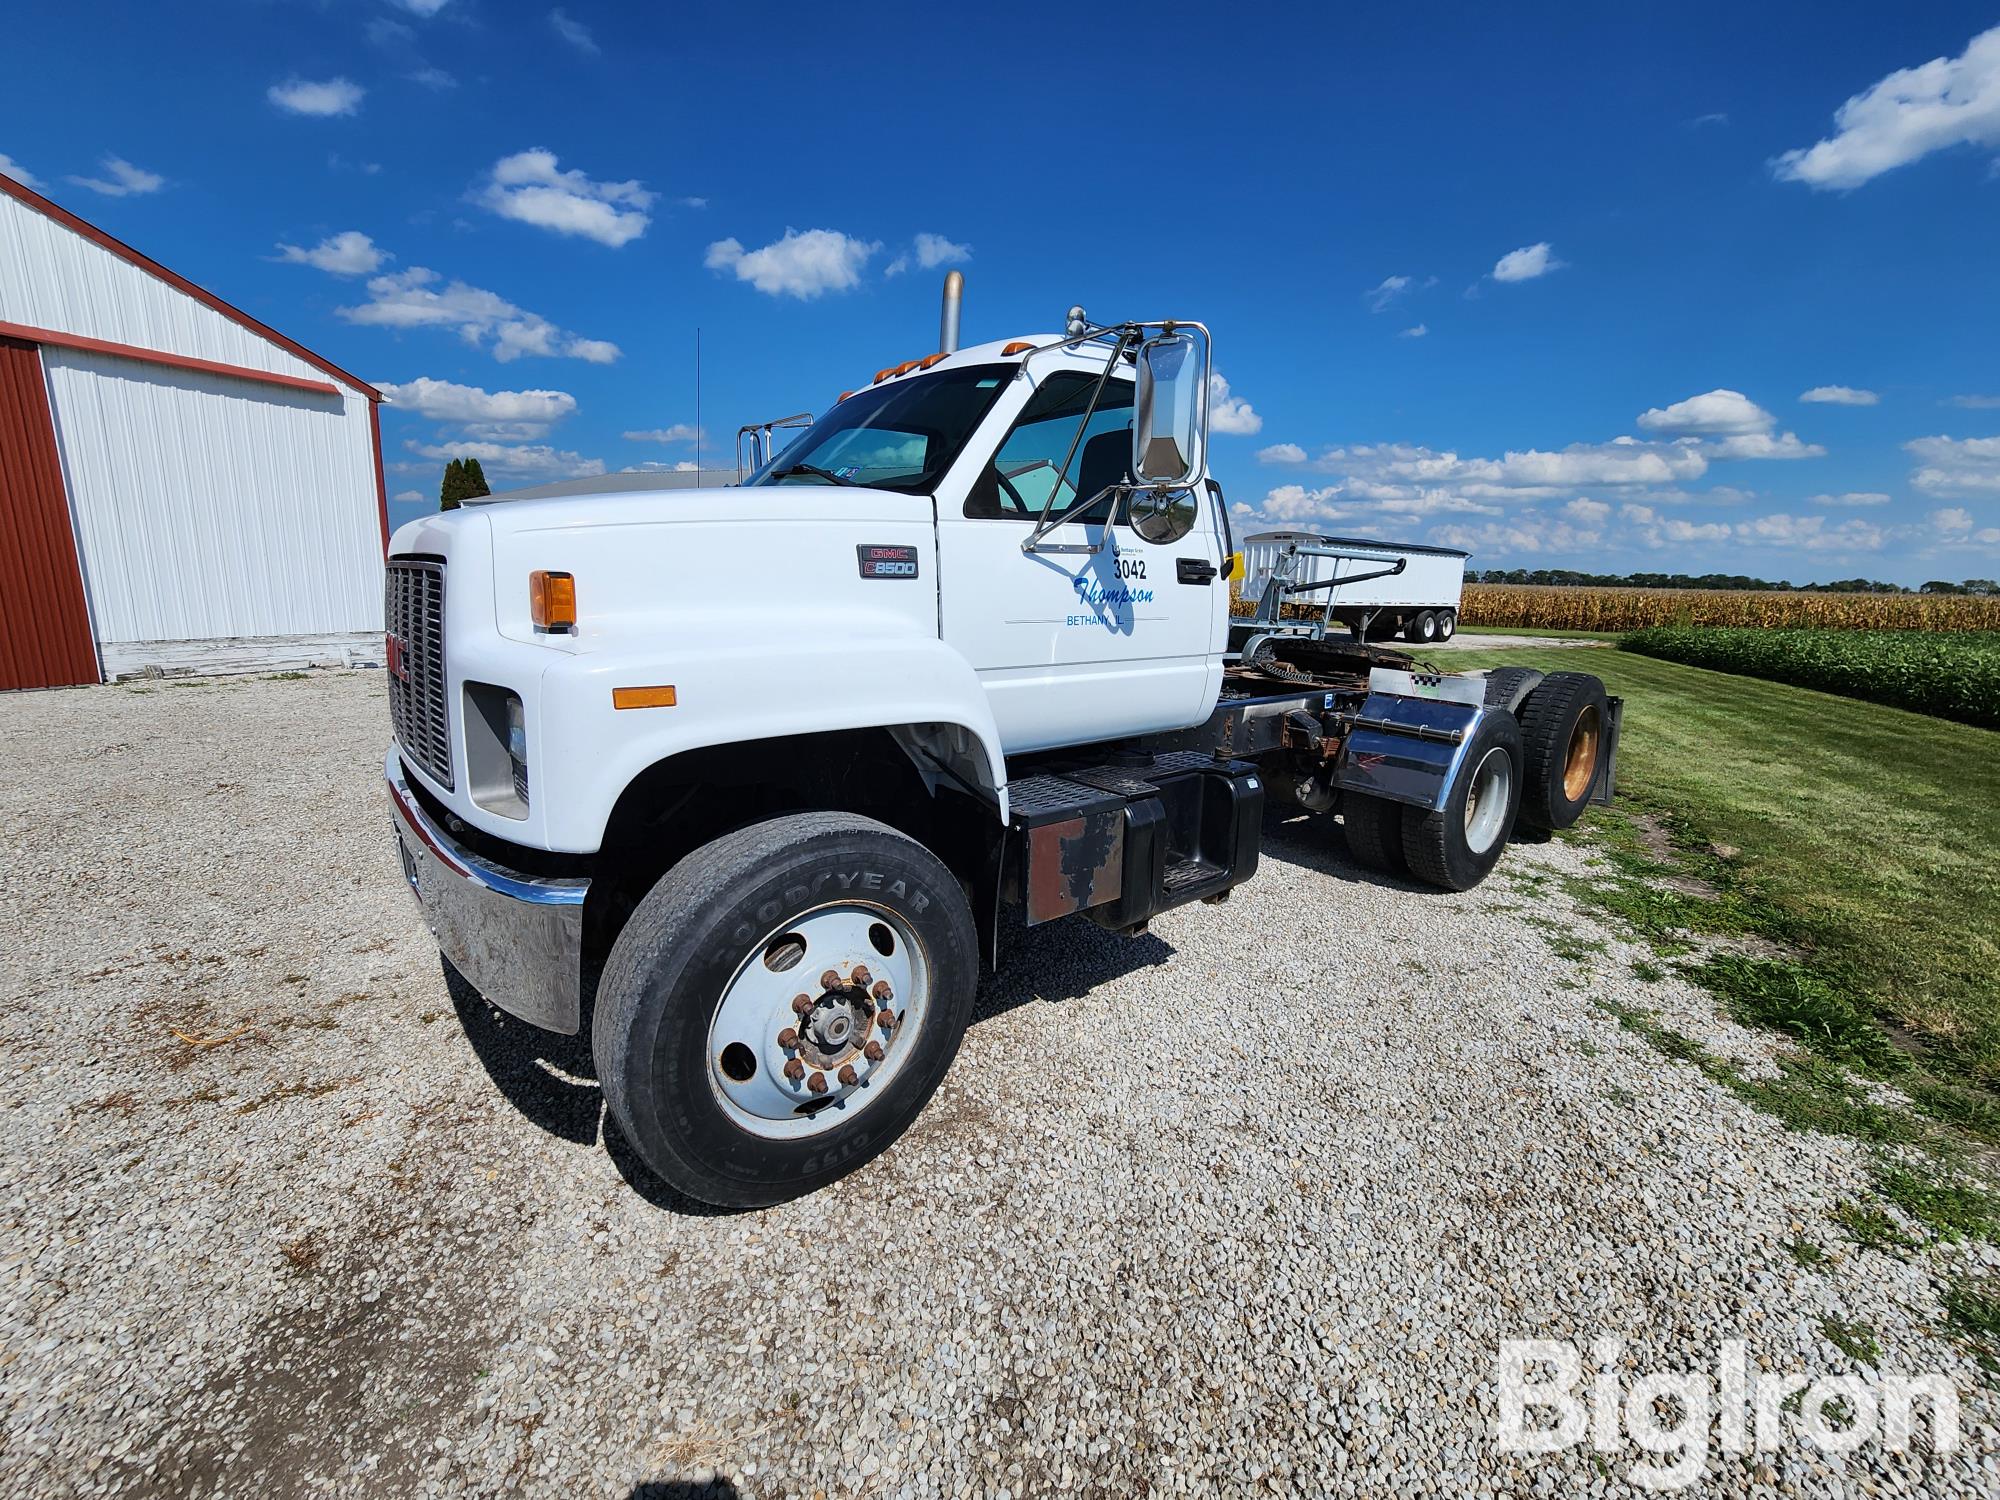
(782, 1004)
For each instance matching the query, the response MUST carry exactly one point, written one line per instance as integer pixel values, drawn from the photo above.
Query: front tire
(724, 1085)
(1459, 844)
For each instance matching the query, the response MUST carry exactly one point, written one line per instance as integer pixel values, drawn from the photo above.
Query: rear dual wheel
(1564, 725)
(782, 1004)
(1457, 845)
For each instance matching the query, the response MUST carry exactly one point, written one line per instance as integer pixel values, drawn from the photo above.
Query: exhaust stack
(954, 298)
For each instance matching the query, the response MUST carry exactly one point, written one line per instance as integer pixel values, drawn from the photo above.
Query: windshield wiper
(816, 471)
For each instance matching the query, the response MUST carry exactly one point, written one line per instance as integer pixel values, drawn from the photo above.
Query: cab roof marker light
(930, 359)
(1019, 346)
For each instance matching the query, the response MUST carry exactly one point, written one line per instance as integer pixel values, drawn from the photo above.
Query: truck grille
(413, 618)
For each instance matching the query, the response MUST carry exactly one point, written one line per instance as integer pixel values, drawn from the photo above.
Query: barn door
(44, 623)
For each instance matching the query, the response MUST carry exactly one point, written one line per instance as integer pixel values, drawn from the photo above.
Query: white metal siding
(208, 506)
(52, 277)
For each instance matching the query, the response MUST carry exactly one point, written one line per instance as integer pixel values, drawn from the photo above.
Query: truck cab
(747, 781)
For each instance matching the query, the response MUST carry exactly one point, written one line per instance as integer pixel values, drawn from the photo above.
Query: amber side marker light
(552, 600)
(642, 697)
(1017, 346)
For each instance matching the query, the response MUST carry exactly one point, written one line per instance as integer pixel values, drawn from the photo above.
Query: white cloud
(1948, 101)
(1281, 453)
(1956, 466)
(1975, 403)
(1956, 527)
(799, 265)
(1840, 395)
(679, 432)
(424, 8)
(1230, 415)
(1764, 445)
(300, 96)
(434, 79)
(574, 32)
(413, 299)
(1715, 413)
(522, 461)
(929, 251)
(11, 168)
(652, 466)
(1531, 532)
(1527, 263)
(524, 414)
(528, 186)
(121, 179)
(1590, 512)
(408, 495)
(1383, 295)
(1811, 533)
(1851, 497)
(1717, 117)
(1415, 333)
(1294, 502)
(349, 253)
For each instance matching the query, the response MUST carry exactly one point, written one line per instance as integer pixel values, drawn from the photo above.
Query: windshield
(900, 436)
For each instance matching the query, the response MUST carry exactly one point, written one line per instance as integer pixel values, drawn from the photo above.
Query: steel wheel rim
(756, 1011)
(1486, 800)
(1580, 765)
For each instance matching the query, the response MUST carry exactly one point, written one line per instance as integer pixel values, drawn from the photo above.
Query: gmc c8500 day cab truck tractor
(772, 764)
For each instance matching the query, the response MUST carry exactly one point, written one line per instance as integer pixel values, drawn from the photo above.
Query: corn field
(1555, 608)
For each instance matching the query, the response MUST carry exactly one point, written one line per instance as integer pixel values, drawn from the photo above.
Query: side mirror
(1170, 417)
(1162, 517)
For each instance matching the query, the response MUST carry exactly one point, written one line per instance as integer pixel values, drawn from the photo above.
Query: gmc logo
(396, 657)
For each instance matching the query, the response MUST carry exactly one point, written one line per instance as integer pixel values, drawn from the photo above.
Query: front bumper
(517, 939)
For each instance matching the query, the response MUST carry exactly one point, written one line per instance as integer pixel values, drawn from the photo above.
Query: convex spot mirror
(1170, 419)
(1162, 516)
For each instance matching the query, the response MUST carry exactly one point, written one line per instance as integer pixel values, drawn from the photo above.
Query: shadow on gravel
(1313, 841)
(551, 1079)
(682, 1489)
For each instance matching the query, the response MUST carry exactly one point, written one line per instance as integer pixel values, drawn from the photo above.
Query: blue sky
(1550, 283)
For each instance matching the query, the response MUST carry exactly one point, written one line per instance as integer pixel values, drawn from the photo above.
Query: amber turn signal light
(643, 697)
(552, 600)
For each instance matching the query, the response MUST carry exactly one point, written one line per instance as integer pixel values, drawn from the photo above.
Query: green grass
(1567, 635)
(1861, 837)
(1953, 674)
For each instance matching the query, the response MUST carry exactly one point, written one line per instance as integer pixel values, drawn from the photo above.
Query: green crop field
(1955, 675)
(1870, 836)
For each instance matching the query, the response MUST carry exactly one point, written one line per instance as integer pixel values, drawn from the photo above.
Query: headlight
(496, 749)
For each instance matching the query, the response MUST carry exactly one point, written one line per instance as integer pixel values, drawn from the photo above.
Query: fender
(824, 677)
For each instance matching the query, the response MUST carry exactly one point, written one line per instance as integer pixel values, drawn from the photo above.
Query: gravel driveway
(1245, 1205)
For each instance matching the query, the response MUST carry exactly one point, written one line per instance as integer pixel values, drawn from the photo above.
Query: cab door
(1097, 633)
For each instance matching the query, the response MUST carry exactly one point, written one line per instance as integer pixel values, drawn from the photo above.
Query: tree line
(463, 480)
(1570, 578)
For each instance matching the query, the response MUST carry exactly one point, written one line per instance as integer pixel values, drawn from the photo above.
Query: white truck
(1373, 588)
(748, 780)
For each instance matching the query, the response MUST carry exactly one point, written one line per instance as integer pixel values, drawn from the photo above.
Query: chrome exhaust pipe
(954, 298)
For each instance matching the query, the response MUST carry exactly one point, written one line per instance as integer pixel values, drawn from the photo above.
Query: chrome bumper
(517, 939)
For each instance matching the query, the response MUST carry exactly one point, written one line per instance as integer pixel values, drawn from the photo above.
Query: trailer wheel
(1374, 830)
(1562, 734)
(1421, 630)
(782, 1004)
(1458, 844)
(1447, 624)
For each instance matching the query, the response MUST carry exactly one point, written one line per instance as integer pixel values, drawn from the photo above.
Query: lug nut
(817, 1083)
(848, 1077)
(795, 1070)
(885, 1019)
(788, 1038)
(882, 990)
(861, 975)
(873, 1051)
(801, 1004)
(829, 980)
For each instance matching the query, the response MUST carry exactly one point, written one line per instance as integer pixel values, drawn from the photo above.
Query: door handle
(1194, 570)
